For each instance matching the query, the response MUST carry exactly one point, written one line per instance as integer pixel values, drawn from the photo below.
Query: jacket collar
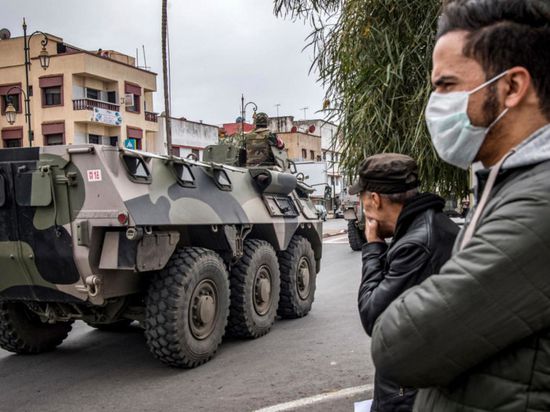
(415, 206)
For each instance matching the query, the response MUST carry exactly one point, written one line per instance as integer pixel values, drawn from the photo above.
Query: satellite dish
(294, 129)
(311, 128)
(5, 34)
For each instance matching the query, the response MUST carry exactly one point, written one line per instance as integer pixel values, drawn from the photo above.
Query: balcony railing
(151, 117)
(89, 104)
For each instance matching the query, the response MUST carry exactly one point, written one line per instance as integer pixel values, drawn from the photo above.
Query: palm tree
(373, 57)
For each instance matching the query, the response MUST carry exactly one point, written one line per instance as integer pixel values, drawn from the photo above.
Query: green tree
(374, 59)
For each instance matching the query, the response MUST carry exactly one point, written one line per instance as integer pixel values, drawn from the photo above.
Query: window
(324, 155)
(136, 135)
(13, 143)
(93, 94)
(304, 154)
(52, 96)
(312, 155)
(54, 133)
(332, 180)
(53, 139)
(134, 90)
(196, 152)
(318, 158)
(14, 95)
(113, 141)
(111, 97)
(12, 137)
(94, 139)
(13, 99)
(335, 156)
(52, 90)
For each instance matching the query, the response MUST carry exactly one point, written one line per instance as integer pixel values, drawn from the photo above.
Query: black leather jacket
(422, 243)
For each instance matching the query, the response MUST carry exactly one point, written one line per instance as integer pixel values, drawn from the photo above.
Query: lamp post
(243, 112)
(11, 113)
(44, 58)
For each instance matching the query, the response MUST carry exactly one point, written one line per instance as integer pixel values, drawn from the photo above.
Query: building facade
(82, 97)
(302, 146)
(188, 137)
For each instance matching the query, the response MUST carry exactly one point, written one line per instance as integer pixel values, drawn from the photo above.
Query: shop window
(52, 90)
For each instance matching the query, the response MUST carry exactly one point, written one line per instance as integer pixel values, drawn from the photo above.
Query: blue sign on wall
(130, 144)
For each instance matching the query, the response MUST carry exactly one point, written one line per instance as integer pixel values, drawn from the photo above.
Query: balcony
(151, 117)
(89, 104)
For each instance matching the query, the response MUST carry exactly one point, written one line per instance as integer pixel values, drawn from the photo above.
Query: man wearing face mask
(476, 336)
(422, 239)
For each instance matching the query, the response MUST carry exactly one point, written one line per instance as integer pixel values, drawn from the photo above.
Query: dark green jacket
(477, 335)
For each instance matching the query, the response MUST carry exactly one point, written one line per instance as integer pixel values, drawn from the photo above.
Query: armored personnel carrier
(190, 249)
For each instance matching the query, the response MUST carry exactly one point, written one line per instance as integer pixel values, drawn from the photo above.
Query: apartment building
(82, 97)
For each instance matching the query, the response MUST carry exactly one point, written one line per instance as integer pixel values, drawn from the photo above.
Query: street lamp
(44, 58)
(243, 112)
(10, 113)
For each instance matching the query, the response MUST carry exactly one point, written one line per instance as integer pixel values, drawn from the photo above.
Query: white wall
(186, 133)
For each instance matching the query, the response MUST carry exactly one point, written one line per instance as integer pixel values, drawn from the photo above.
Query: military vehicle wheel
(255, 285)
(298, 278)
(187, 307)
(355, 236)
(22, 331)
(117, 326)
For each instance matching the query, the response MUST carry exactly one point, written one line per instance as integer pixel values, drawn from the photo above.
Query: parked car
(322, 212)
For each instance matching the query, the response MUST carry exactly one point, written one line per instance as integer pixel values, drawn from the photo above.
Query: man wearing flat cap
(422, 239)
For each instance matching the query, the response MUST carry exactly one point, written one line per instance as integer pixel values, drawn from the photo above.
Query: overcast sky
(219, 49)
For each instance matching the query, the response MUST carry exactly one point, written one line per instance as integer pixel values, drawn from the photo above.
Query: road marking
(324, 397)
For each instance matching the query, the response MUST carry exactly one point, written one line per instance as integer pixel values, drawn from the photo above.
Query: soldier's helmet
(261, 120)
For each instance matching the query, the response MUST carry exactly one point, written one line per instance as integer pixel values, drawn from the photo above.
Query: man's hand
(371, 231)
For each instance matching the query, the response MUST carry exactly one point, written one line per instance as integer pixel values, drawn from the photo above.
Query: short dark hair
(504, 34)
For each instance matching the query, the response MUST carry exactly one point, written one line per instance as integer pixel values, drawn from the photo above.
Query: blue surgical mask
(454, 137)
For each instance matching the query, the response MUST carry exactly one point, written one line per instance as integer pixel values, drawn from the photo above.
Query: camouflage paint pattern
(67, 210)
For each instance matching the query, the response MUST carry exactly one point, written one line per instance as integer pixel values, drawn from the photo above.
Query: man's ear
(376, 200)
(519, 86)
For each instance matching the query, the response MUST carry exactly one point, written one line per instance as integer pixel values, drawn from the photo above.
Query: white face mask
(454, 137)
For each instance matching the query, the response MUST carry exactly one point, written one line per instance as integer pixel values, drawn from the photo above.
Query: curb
(329, 234)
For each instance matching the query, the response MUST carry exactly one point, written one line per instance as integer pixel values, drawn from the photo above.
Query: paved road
(100, 371)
